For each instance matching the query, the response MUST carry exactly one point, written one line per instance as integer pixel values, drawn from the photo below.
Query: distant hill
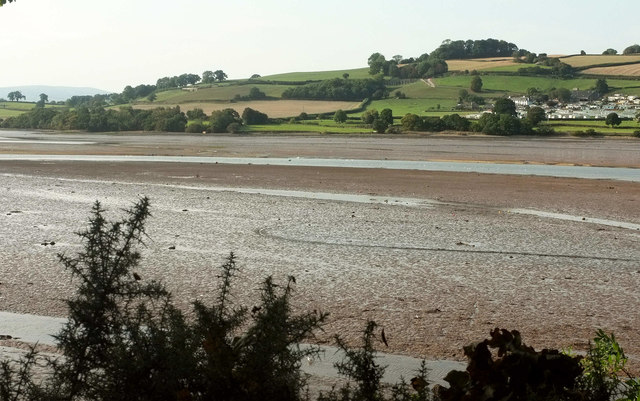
(57, 93)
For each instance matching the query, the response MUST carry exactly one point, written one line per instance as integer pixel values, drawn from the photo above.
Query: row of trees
(339, 89)
(180, 81)
(424, 66)
(461, 49)
(633, 49)
(172, 119)
(99, 119)
(16, 96)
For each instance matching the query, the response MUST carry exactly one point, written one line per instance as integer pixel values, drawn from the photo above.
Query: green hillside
(12, 109)
(358, 73)
(421, 98)
(434, 97)
(217, 93)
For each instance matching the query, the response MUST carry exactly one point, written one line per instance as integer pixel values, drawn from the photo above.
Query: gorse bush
(124, 339)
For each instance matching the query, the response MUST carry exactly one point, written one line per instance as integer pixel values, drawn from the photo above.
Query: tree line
(464, 49)
(339, 89)
(99, 119)
(170, 119)
(633, 49)
(503, 120)
(424, 66)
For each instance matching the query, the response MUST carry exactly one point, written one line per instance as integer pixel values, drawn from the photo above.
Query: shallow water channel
(585, 172)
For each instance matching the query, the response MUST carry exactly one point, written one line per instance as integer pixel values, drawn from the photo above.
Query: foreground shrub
(124, 339)
(605, 370)
(196, 128)
(518, 372)
(359, 366)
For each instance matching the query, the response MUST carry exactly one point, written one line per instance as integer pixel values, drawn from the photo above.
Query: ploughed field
(438, 259)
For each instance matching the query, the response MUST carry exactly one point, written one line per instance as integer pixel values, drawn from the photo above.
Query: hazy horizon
(108, 45)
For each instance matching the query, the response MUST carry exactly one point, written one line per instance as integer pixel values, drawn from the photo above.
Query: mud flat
(436, 258)
(437, 275)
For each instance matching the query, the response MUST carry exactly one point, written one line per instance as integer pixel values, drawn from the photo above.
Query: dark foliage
(633, 49)
(505, 106)
(251, 116)
(339, 89)
(196, 114)
(221, 119)
(500, 124)
(518, 372)
(177, 81)
(453, 122)
(460, 49)
(99, 119)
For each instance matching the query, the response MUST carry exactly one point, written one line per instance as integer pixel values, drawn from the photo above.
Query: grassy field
(421, 90)
(5, 113)
(594, 60)
(12, 109)
(420, 107)
(216, 93)
(357, 73)
(626, 128)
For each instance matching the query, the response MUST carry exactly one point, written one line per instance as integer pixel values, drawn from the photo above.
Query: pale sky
(111, 44)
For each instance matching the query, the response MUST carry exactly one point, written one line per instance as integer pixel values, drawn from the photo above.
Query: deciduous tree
(411, 122)
(505, 106)
(613, 120)
(535, 115)
(376, 63)
(601, 86)
(340, 116)
(196, 114)
(369, 116)
(251, 116)
(208, 77)
(633, 49)
(386, 115)
(219, 75)
(221, 119)
(476, 83)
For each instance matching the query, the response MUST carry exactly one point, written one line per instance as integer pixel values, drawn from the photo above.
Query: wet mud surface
(436, 275)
